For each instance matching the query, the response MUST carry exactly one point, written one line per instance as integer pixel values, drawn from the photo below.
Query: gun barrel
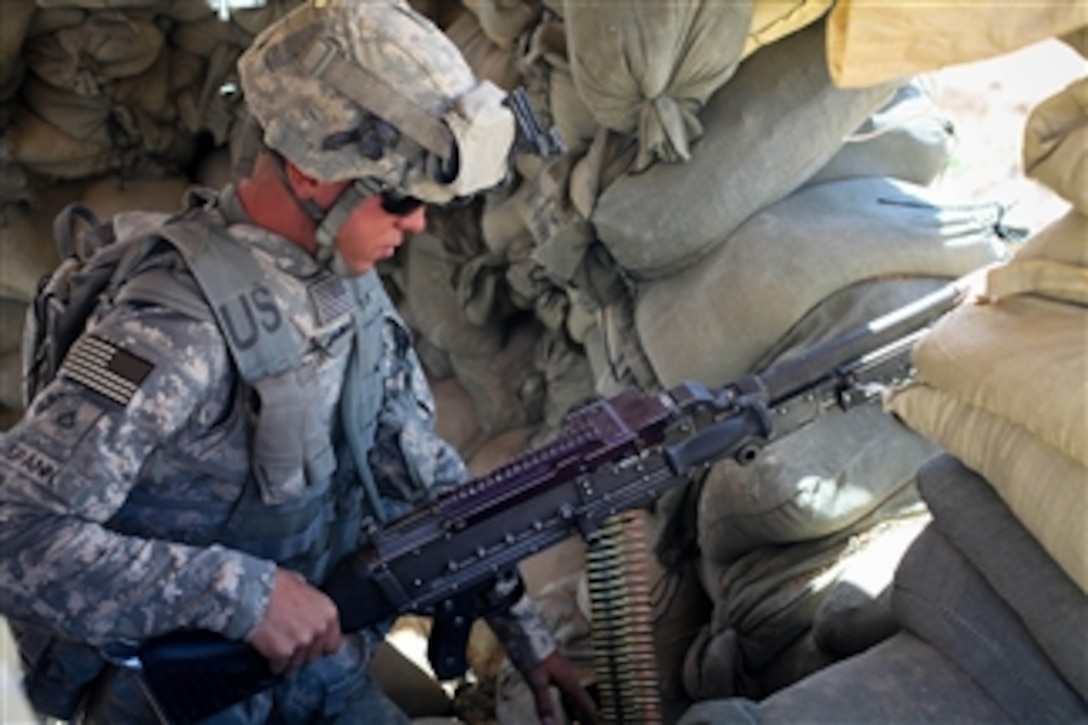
(785, 379)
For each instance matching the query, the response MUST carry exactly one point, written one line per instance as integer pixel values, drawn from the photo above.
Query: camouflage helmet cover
(331, 67)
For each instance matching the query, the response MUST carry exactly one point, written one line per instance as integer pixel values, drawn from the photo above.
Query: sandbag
(648, 68)
(506, 387)
(773, 20)
(17, 15)
(504, 20)
(775, 123)
(487, 60)
(455, 417)
(829, 474)
(712, 322)
(42, 148)
(1022, 428)
(910, 139)
(1055, 150)
(106, 46)
(874, 41)
(112, 194)
(432, 298)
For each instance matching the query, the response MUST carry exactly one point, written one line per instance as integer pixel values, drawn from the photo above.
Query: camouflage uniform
(127, 471)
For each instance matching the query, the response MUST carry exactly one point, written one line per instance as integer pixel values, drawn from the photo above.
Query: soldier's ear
(306, 186)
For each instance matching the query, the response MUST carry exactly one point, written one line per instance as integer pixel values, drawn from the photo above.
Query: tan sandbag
(874, 41)
(910, 139)
(27, 246)
(108, 45)
(712, 322)
(1053, 264)
(773, 20)
(49, 20)
(1055, 149)
(202, 36)
(16, 20)
(487, 60)
(455, 420)
(1046, 489)
(431, 291)
(112, 194)
(570, 114)
(1021, 359)
(505, 386)
(82, 117)
(505, 20)
(775, 123)
(648, 68)
(499, 449)
(44, 149)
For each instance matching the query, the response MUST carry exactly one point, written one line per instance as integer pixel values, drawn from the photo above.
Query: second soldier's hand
(300, 625)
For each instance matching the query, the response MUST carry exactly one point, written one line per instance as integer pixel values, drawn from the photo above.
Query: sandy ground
(988, 103)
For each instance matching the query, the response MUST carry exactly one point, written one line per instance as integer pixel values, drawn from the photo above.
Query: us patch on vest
(106, 369)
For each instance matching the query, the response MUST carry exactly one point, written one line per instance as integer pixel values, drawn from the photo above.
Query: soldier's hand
(557, 671)
(300, 625)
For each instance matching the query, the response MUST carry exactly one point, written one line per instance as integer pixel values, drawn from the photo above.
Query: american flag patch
(331, 298)
(105, 368)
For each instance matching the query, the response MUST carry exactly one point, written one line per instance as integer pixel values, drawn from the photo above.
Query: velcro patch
(106, 369)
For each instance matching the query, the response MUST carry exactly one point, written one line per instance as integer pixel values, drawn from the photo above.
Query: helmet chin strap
(329, 220)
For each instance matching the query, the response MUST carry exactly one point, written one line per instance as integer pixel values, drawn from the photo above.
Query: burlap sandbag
(42, 148)
(505, 20)
(1045, 489)
(712, 322)
(829, 474)
(648, 68)
(108, 45)
(455, 417)
(1055, 150)
(488, 60)
(506, 388)
(910, 139)
(431, 290)
(874, 41)
(50, 20)
(112, 194)
(1028, 331)
(1020, 422)
(775, 123)
(202, 36)
(80, 116)
(16, 20)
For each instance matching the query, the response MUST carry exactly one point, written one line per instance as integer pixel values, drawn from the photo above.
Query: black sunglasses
(398, 205)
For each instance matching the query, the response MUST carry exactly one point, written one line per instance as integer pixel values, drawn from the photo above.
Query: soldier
(216, 441)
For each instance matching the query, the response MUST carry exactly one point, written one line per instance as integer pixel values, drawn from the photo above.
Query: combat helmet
(372, 91)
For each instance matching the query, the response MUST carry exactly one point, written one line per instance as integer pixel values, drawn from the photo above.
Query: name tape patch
(106, 369)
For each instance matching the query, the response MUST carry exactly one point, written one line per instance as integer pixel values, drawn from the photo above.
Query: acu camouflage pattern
(388, 38)
(110, 514)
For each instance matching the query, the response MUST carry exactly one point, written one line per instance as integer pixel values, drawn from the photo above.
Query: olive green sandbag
(772, 126)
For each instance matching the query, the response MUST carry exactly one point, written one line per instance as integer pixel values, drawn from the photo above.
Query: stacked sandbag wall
(720, 206)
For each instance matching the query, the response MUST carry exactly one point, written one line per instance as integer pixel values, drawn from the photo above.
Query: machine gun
(618, 454)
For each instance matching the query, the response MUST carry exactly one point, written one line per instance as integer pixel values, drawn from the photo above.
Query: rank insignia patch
(106, 369)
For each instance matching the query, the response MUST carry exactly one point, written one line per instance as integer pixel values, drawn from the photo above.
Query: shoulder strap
(239, 294)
